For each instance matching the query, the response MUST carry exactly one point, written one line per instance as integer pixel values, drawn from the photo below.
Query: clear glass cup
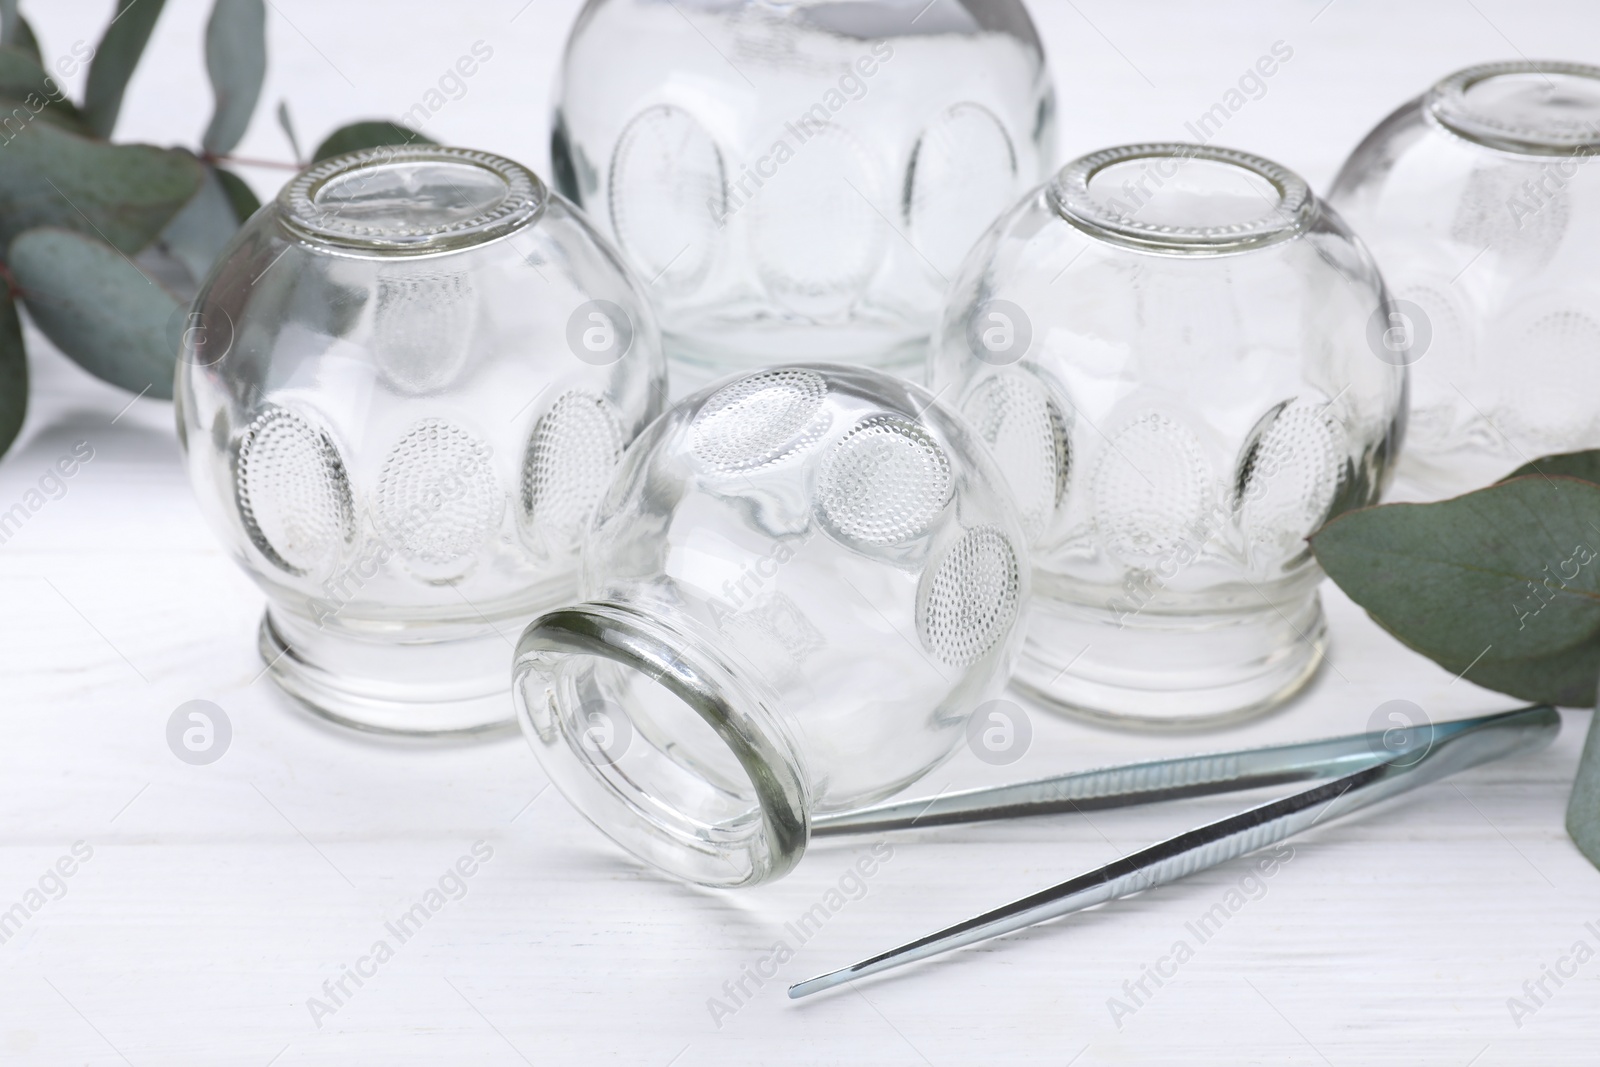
(401, 392)
(1480, 201)
(1166, 350)
(798, 180)
(797, 591)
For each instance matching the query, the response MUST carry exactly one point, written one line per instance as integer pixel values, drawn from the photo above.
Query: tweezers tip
(817, 984)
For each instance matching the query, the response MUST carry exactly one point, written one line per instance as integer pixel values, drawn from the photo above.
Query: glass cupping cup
(1481, 203)
(1166, 349)
(801, 585)
(798, 180)
(401, 392)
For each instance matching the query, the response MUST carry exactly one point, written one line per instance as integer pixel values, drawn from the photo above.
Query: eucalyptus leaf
(1583, 806)
(286, 124)
(236, 60)
(97, 307)
(114, 60)
(124, 194)
(10, 18)
(16, 114)
(1569, 675)
(15, 31)
(26, 40)
(13, 373)
(197, 234)
(371, 133)
(1584, 465)
(241, 197)
(23, 80)
(1501, 585)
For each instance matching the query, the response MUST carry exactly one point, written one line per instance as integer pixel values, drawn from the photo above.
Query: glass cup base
(1166, 672)
(437, 687)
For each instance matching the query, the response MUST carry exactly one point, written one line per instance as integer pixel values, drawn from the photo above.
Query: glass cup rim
(1447, 104)
(611, 631)
(524, 202)
(1289, 217)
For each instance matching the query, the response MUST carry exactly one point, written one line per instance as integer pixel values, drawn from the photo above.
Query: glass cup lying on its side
(799, 588)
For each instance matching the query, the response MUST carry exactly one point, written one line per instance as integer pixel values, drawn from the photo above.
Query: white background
(220, 898)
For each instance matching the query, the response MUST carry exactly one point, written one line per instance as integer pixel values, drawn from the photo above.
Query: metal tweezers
(1363, 768)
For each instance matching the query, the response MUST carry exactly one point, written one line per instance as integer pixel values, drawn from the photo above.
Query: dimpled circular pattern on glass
(1026, 434)
(665, 172)
(756, 420)
(1450, 324)
(1289, 476)
(1449, 315)
(570, 460)
(884, 482)
(1151, 488)
(422, 328)
(1561, 335)
(971, 599)
(815, 233)
(294, 496)
(438, 496)
(961, 172)
(1486, 217)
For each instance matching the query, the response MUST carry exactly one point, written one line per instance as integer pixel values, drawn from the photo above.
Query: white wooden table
(217, 900)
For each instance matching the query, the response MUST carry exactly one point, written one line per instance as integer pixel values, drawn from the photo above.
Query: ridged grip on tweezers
(1115, 787)
(1449, 747)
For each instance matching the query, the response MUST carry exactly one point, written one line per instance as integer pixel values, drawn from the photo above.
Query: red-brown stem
(213, 158)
